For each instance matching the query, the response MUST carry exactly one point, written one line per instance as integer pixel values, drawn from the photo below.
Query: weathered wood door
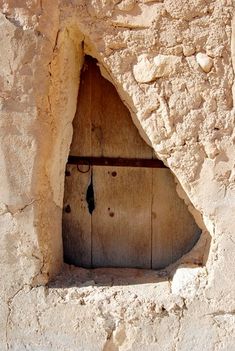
(118, 216)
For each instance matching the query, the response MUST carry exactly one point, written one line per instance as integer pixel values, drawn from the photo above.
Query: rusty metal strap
(116, 162)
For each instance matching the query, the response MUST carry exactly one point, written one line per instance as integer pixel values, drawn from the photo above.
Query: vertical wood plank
(81, 143)
(174, 231)
(77, 224)
(121, 221)
(76, 219)
(113, 133)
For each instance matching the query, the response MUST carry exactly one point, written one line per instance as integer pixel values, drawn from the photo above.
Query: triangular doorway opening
(118, 215)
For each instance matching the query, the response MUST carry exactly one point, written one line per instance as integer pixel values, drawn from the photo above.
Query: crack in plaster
(113, 341)
(181, 316)
(17, 211)
(13, 21)
(221, 313)
(10, 302)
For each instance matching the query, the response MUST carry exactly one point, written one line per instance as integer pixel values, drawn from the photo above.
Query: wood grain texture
(121, 222)
(174, 231)
(77, 223)
(103, 125)
(81, 143)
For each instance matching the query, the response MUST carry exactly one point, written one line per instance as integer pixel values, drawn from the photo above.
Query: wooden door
(138, 219)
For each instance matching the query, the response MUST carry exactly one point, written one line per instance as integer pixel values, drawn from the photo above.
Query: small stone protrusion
(145, 69)
(126, 5)
(188, 50)
(150, 68)
(204, 61)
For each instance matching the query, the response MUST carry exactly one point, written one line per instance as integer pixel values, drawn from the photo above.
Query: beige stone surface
(204, 61)
(186, 114)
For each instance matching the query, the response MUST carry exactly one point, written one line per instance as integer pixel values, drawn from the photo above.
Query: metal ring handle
(79, 170)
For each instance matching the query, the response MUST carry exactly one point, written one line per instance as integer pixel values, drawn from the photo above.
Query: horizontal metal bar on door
(117, 162)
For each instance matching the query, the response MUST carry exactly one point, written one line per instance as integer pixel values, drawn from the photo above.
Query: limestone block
(133, 14)
(126, 5)
(204, 61)
(188, 50)
(147, 1)
(186, 281)
(145, 69)
(149, 68)
(186, 9)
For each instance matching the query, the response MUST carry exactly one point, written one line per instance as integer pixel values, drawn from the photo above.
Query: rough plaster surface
(172, 63)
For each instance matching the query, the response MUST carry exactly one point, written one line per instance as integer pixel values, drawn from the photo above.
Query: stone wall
(172, 63)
